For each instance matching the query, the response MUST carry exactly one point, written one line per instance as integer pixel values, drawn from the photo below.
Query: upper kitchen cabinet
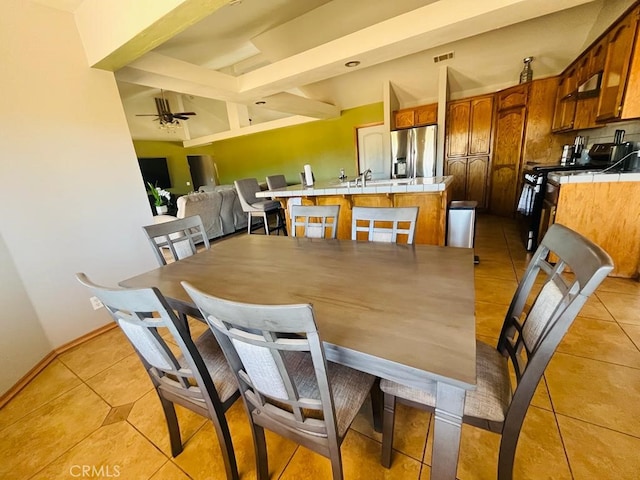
(566, 100)
(469, 126)
(468, 147)
(620, 42)
(417, 116)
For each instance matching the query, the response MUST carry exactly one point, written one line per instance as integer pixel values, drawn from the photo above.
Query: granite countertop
(337, 187)
(587, 176)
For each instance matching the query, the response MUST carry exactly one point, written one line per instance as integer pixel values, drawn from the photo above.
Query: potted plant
(159, 196)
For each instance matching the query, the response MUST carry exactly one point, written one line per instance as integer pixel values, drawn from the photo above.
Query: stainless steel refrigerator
(413, 152)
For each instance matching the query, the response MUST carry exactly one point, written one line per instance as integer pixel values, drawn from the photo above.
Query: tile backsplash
(605, 135)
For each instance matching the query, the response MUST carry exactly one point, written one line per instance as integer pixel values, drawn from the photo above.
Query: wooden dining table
(401, 312)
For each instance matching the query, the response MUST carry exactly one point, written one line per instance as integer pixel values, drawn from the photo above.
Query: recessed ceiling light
(352, 63)
(260, 102)
(234, 2)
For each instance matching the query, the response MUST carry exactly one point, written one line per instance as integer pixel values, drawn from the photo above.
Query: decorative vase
(161, 209)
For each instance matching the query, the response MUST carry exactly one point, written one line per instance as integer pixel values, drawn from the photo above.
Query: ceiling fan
(164, 115)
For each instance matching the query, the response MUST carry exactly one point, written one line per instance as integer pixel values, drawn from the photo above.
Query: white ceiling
(257, 49)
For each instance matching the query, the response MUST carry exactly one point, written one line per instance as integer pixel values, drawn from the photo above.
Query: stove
(534, 184)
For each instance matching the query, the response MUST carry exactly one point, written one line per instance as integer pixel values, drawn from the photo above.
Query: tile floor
(93, 408)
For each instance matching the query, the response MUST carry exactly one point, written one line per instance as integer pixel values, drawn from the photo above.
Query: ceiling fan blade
(180, 117)
(184, 113)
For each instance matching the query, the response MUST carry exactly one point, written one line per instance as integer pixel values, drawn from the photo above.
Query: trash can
(461, 226)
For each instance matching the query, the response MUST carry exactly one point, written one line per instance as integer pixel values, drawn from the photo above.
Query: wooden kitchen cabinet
(468, 147)
(620, 42)
(470, 176)
(565, 110)
(507, 152)
(416, 117)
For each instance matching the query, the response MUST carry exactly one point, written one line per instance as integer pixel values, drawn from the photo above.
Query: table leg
(448, 425)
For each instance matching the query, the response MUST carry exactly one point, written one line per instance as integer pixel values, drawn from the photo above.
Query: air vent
(442, 57)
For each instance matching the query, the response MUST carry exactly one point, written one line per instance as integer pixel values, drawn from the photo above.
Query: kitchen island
(604, 207)
(427, 193)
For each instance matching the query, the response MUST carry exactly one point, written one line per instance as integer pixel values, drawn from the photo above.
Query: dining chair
(179, 237)
(253, 207)
(276, 181)
(190, 373)
(528, 339)
(383, 224)
(316, 221)
(286, 383)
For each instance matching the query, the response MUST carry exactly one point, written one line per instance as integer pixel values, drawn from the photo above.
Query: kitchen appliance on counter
(613, 155)
(531, 205)
(413, 152)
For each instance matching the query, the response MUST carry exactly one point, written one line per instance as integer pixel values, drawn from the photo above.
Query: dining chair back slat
(178, 237)
(315, 221)
(384, 224)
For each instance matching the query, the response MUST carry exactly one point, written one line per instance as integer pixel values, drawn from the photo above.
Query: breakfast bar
(430, 194)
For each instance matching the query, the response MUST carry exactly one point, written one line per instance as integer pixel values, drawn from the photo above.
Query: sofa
(219, 209)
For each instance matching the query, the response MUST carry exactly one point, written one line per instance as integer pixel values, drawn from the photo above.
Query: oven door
(528, 211)
(549, 204)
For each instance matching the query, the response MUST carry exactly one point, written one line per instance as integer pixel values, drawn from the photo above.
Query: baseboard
(42, 364)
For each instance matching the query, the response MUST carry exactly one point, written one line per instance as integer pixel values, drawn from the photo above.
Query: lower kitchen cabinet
(470, 178)
(608, 214)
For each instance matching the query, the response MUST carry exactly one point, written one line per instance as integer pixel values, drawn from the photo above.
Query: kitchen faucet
(364, 176)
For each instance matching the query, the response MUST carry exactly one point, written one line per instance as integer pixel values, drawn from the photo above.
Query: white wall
(20, 326)
(71, 194)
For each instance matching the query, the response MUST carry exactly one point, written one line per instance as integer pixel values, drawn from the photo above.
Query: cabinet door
(458, 128)
(458, 168)
(405, 118)
(620, 43)
(513, 97)
(427, 114)
(598, 55)
(506, 160)
(480, 125)
(477, 178)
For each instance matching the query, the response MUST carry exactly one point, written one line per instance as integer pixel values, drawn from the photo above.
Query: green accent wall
(326, 145)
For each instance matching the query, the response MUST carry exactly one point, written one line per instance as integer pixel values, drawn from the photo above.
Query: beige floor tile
(624, 308)
(49, 431)
(201, 456)
(360, 460)
(124, 382)
(116, 450)
(594, 308)
(170, 471)
(600, 340)
(597, 392)
(52, 382)
(488, 268)
(425, 473)
(410, 432)
(620, 285)
(495, 290)
(103, 352)
(489, 318)
(540, 453)
(633, 331)
(148, 418)
(599, 453)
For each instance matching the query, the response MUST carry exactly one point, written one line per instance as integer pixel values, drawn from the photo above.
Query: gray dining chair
(276, 181)
(196, 376)
(254, 207)
(384, 224)
(528, 339)
(286, 383)
(178, 238)
(315, 221)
